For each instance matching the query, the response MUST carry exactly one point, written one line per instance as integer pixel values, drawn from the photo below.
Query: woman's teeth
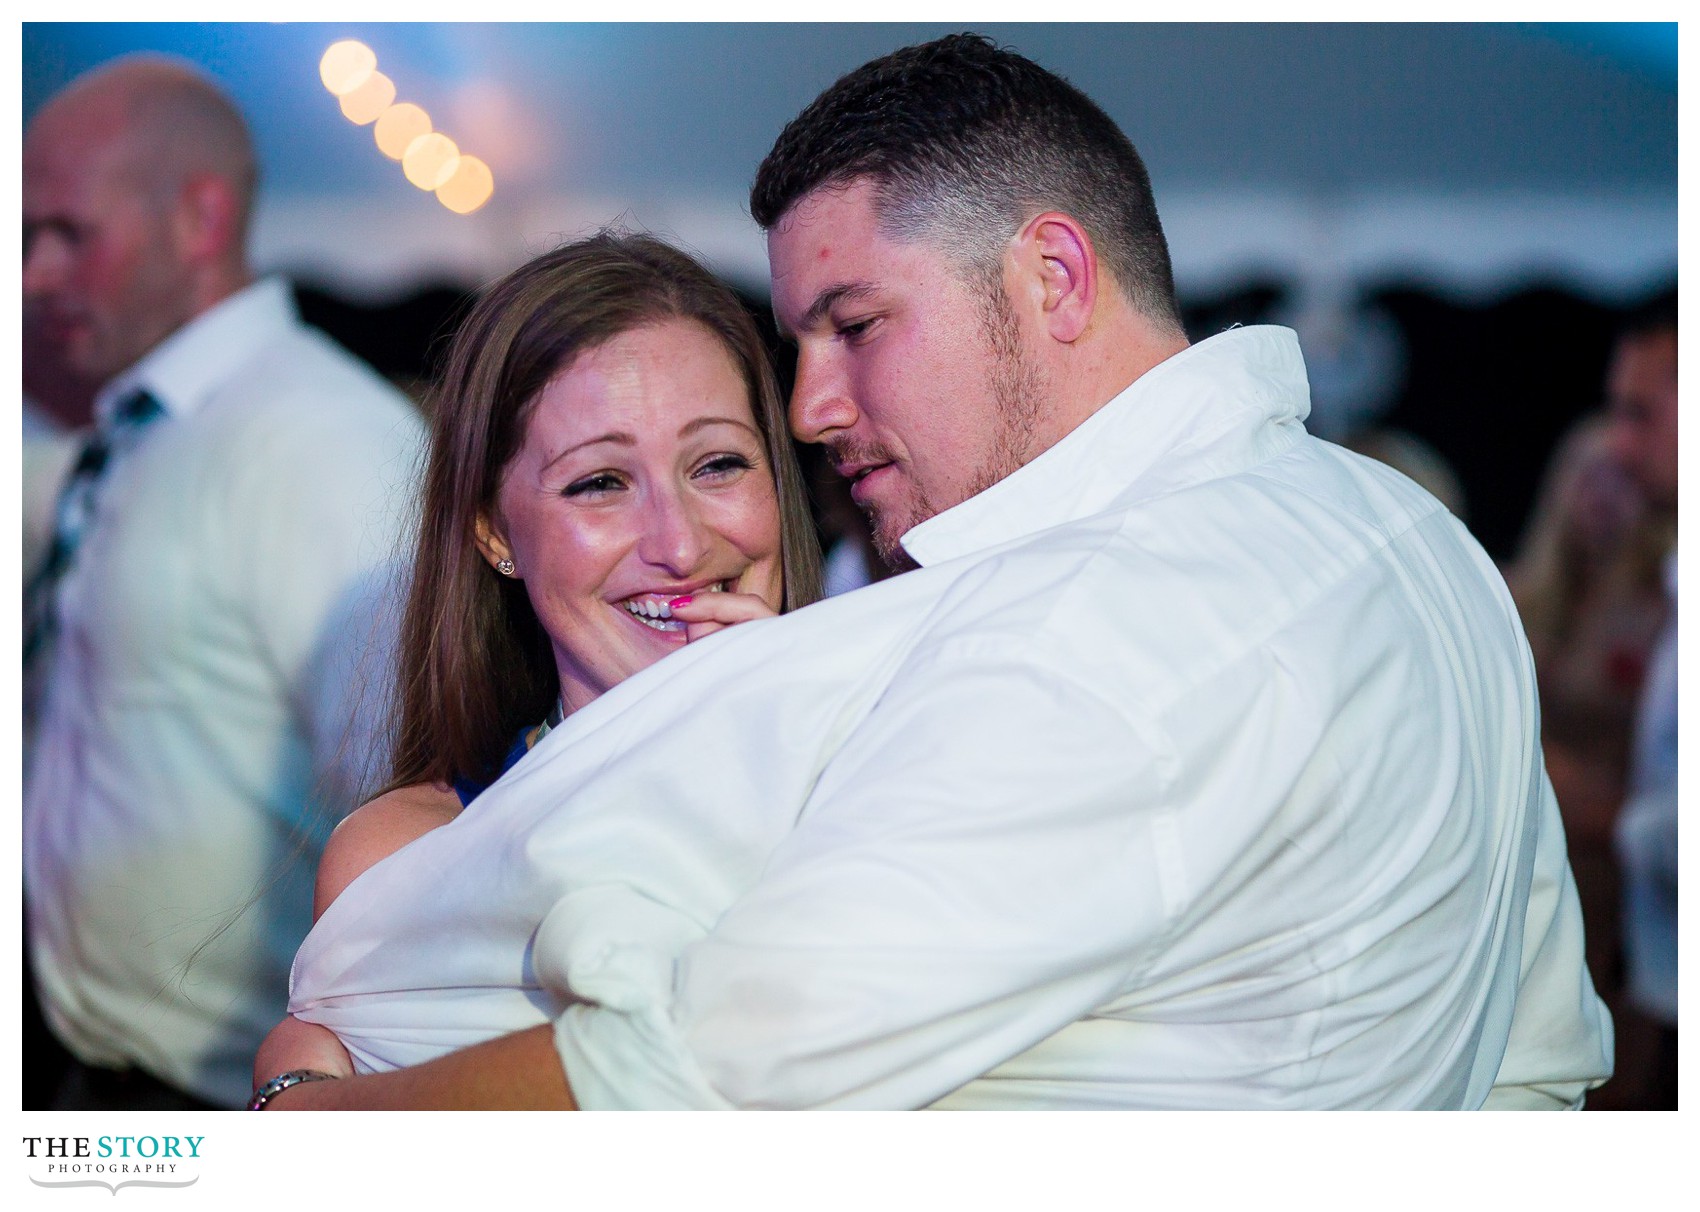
(656, 612)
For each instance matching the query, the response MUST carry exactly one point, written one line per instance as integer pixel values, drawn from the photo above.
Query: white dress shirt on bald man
(195, 747)
(1197, 766)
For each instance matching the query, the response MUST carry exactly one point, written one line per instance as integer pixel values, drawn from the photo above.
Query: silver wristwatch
(284, 1081)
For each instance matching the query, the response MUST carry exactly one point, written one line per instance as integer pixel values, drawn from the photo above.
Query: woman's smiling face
(642, 477)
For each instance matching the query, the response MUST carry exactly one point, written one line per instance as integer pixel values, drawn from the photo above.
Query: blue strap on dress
(469, 789)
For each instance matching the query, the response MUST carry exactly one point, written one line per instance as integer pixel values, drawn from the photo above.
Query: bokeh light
(398, 126)
(430, 160)
(368, 102)
(346, 65)
(469, 188)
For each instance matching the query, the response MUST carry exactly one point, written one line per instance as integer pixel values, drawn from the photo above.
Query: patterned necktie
(75, 510)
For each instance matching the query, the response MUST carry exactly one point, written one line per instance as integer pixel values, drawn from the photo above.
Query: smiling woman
(643, 480)
(610, 478)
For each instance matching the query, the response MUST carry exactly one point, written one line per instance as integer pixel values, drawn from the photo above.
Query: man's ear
(1055, 258)
(491, 544)
(206, 217)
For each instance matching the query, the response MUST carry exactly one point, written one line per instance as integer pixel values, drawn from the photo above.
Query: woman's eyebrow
(619, 438)
(691, 427)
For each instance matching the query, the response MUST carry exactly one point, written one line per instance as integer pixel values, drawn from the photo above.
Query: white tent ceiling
(1477, 157)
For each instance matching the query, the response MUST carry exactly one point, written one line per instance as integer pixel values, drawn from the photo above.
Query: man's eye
(600, 482)
(67, 233)
(854, 330)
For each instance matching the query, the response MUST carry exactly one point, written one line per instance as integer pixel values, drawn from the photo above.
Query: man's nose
(821, 400)
(677, 537)
(44, 264)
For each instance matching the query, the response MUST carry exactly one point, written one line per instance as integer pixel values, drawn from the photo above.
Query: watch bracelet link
(284, 1081)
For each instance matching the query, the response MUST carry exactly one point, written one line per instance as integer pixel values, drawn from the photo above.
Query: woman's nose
(677, 537)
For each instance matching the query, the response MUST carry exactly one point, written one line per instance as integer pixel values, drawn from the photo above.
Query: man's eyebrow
(824, 302)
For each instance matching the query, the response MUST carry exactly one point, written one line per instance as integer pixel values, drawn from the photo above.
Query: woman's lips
(652, 610)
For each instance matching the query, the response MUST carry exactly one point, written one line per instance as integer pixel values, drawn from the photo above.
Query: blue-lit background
(1494, 105)
(670, 120)
(1450, 214)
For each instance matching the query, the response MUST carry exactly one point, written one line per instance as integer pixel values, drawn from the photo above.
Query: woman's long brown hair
(474, 666)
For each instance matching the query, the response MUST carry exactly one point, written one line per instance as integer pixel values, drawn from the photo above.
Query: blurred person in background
(1588, 582)
(196, 613)
(1410, 455)
(1641, 397)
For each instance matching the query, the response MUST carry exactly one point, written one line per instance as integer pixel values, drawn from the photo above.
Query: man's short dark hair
(964, 142)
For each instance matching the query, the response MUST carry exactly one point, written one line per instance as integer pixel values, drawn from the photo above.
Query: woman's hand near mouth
(705, 613)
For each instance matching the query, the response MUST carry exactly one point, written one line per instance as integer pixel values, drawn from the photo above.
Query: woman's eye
(724, 465)
(602, 481)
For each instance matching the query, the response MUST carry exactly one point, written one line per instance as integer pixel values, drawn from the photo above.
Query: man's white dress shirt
(193, 751)
(1197, 766)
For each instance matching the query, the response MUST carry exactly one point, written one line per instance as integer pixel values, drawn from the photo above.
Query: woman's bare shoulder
(376, 830)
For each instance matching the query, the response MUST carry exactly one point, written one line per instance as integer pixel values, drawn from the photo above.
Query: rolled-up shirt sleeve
(1560, 1043)
(969, 875)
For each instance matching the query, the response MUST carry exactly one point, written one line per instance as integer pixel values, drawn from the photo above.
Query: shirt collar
(1214, 408)
(183, 370)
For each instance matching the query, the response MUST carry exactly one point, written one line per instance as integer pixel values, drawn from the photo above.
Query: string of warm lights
(429, 159)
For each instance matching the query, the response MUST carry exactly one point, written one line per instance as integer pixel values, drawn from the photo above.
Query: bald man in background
(215, 571)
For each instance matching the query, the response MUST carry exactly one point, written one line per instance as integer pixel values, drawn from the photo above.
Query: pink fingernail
(677, 602)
